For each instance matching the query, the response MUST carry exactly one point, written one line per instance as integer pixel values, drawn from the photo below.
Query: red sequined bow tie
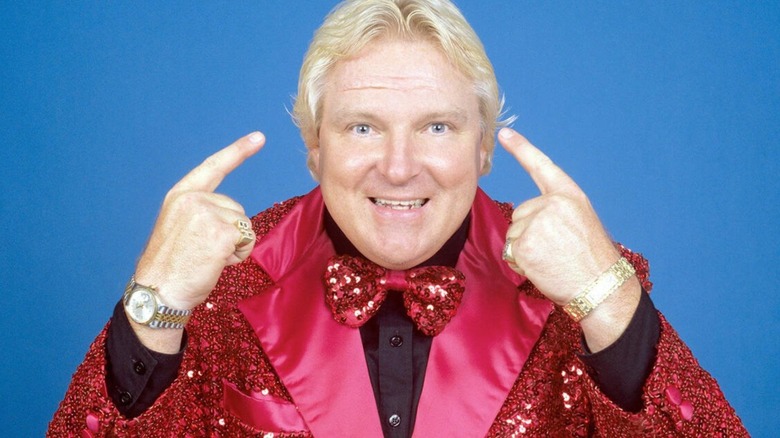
(356, 287)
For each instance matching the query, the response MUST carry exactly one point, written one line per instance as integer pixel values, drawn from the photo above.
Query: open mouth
(399, 205)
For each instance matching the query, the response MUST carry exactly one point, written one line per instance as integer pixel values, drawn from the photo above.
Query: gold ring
(506, 254)
(247, 236)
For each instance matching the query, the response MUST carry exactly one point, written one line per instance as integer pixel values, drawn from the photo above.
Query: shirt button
(125, 398)
(394, 420)
(139, 367)
(396, 341)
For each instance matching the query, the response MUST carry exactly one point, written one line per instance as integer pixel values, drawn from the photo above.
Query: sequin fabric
(355, 288)
(554, 394)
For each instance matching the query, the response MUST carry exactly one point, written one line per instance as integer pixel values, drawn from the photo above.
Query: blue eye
(438, 128)
(361, 129)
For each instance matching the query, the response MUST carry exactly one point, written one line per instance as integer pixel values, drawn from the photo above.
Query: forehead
(403, 68)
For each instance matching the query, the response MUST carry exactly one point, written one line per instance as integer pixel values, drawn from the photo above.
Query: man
(327, 326)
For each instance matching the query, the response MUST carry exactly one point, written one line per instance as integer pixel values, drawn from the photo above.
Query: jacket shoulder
(506, 208)
(266, 220)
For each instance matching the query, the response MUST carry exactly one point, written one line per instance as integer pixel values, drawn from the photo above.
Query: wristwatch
(143, 305)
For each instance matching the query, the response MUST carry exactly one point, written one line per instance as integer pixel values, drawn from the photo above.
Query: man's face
(399, 151)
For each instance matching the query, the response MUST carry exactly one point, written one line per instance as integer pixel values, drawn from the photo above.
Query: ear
(484, 158)
(313, 161)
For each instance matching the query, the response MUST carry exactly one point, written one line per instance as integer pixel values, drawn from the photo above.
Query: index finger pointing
(210, 173)
(546, 175)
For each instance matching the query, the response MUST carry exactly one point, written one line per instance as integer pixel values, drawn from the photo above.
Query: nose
(399, 162)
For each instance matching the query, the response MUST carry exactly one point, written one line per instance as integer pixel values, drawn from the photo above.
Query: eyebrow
(456, 115)
(350, 115)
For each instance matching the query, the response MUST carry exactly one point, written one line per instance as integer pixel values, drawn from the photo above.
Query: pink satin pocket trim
(263, 412)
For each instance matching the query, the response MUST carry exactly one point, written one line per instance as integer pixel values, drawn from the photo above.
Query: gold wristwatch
(143, 305)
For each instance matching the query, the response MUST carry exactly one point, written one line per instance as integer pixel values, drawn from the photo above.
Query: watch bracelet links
(169, 318)
(601, 288)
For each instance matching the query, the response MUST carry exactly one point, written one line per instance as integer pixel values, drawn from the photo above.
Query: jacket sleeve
(221, 360)
(559, 394)
(189, 404)
(679, 399)
(221, 352)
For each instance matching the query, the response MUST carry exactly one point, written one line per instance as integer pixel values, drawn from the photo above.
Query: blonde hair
(355, 23)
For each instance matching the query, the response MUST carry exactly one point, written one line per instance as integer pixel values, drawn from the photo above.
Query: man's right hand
(194, 238)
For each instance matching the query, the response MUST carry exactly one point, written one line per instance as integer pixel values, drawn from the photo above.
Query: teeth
(399, 205)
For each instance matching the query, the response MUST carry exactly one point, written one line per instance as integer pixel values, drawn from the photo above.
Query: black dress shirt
(396, 354)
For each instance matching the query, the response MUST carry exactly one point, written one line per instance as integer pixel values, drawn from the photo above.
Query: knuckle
(172, 194)
(563, 205)
(517, 214)
(231, 204)
(203, 217)
(188, 201)
(213, 166)
(209, 163)
(526, 209)
(580, 196)
(521, 247)
(542, 163)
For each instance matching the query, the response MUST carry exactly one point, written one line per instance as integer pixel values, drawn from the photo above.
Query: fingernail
(505, 133)
(256, 137)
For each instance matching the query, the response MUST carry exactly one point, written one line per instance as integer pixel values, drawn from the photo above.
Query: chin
(399, 258)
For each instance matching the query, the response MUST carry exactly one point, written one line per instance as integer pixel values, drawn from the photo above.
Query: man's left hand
(560, 245)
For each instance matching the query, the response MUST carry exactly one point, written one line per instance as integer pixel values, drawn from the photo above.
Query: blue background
(666, 113)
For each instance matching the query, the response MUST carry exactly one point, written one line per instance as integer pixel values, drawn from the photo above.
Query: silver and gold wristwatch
(143, 305)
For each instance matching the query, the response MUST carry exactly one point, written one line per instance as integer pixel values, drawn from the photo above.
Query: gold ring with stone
(506, 254)
(247, 236)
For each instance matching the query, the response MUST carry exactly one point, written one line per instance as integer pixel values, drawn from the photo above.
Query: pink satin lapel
(320, 362)
(288, 242)
(474, 362)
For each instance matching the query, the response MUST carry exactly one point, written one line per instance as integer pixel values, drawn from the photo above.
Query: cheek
(462, 168)
(345, 162)
(338, 171)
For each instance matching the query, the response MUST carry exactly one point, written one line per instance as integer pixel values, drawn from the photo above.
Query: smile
(399, 205)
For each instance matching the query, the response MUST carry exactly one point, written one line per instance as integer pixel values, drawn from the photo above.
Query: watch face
(141, 306)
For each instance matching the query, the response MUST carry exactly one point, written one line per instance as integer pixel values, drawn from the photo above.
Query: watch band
(595, 293)
(167, 317)
(164, 316)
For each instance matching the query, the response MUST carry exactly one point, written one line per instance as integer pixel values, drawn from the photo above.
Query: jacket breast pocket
(262, 412)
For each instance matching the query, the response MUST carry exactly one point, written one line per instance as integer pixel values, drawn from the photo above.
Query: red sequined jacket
(265, 358)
